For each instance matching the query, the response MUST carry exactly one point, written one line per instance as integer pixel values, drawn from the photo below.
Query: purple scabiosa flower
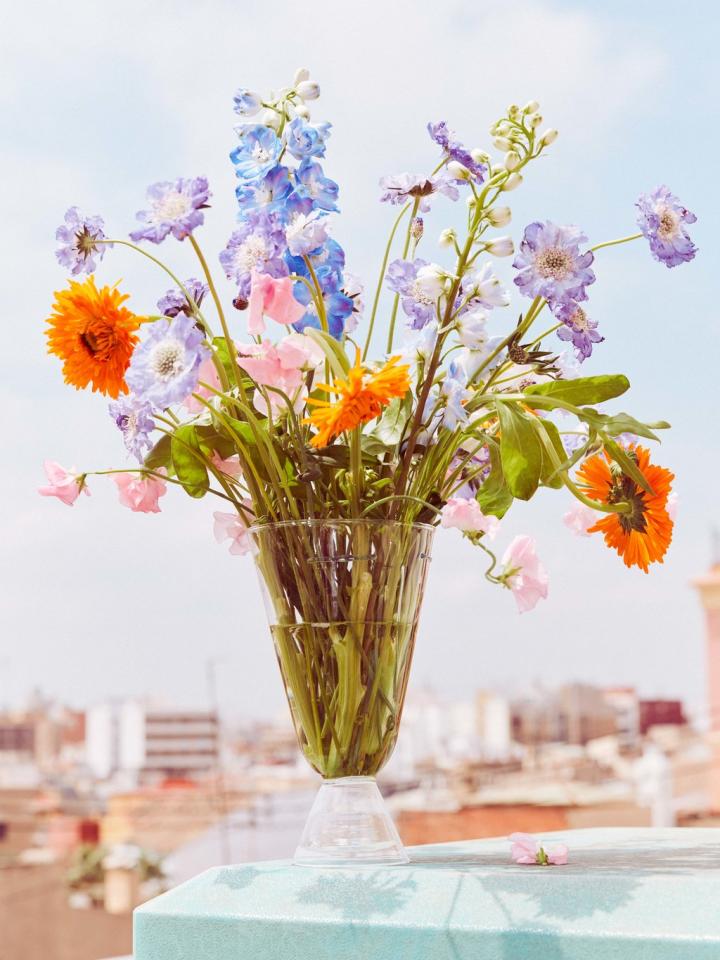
(550, 263)
(306, 229)
(307, 139)
(79, 246)
(268, 193)
(421, 286)
(175, 207)
(259, 151)
(165, 366)
(400, 187)
(481, 288)
(445, 138)
(175, 301)
(246, 103)
(661, 217)
(579, 329)
(133, 416)
(311, 182)
(257, 244)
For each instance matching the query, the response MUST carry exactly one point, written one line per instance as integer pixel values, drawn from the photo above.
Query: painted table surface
(640, 894)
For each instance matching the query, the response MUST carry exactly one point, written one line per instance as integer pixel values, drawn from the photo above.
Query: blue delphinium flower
(338, 307)
(133, 416)
(305, 226)
(307, 139)
(175, 301)
(164, 367)
(661, 217)
(310, 181)
(258, 152)
(246, 103)
(79, 246)
(578, 328)
(550, 263)
(175, 208)
(454, 394)
(420, 285)
(481, 288)
(268, 193)
(454, 149)
(257, 244)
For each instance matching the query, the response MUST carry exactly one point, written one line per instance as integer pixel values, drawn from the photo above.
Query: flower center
(580, 321)
(252, 251)
(85, 242)
(128, 423)
(553, 263)
(172, 206)
(668, 223)
(98, 338)
(260, 154)
(418, 291)
(166, 360)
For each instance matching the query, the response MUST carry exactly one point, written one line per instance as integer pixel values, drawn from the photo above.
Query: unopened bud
(550, 136)
(497, 168)
(416, 228)
(513, 110)
(479, 156)
(532, 106)
(308, 90)
(513, 181)
(502, 143)
(502, 247)
(499, 216)
(271, 118)
(534, 120)
(302, 74)
(302, 111)
(512, 159)
(457, 171)
(447, 238)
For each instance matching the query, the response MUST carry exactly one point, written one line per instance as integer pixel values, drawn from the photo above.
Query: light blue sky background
(99, 100)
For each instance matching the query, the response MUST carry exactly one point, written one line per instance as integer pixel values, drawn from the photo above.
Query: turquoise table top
(639, 894)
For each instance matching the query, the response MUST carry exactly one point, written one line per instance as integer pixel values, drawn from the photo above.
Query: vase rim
(337, 522)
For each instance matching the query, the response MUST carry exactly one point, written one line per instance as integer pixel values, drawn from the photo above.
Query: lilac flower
(475, 471)
(568, 364)
(246, 103)
(482, 288)
(353, 288)
(473, 359)
(579, 328)
(257, 245)
(661, 217)
(472, 329)
(79, 245)
(259, 151)
(307, 139)
(421, 285)
(306, 229)
(175, 301)
(164, 368)
(445, 138)
(453, 396)
(175, 207)
(551, 265)
(312, 183)
(400, 187)
(133, 416)
(268, 193)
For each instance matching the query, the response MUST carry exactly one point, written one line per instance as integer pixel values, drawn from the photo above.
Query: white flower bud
(447, 238)
(497, 168)
(534, 120)
(502, 247)
(499, 216)
(513, 110)
(302, 111)
(308, 90)
(513, 181)
(512, 159)
(302, 74)
(550, 136)
(479, 155)
(502, 143)
(457, 170)
(532, 106)
(271, 118)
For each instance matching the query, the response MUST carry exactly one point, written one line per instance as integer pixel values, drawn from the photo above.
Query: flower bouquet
(335, 465)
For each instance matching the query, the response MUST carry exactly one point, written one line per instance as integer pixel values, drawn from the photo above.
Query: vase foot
(349, 825)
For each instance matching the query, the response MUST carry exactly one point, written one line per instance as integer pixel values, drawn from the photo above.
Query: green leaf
(554, 455)
(226, 359)
(582, 390)
(623, 423)
(392, 423)
(333, 350)
(188, 461)
(520, 450)
(627, 464)
(160, 455)
(493, 497)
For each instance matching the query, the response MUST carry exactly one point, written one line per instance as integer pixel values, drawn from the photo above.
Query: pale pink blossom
(139, 493)
(272, 297)
(281, 366)
(672, 506)
(528, 849)
(233, 527)
(64, 484)
(231, 466)
(207, 374)
(525, 575)
(580, 518)
(466, 515)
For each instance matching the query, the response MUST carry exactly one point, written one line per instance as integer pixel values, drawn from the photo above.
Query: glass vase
(343, 599)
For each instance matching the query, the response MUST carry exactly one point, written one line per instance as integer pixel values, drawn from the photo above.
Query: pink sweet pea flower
(580, 518)
(231, 466)
(64, 484)
(525, 575)
(527, 849)
(466, 515)
(280, 366)
(140, 493)
(672, 506)
(232, 527)
(272, 297)
(207, 373)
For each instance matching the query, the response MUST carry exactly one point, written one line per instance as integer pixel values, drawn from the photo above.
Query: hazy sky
(99, 100)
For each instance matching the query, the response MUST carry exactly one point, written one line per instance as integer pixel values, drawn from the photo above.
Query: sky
(102, 100)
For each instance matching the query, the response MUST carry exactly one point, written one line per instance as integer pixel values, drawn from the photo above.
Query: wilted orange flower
(643, 535)
(94, 335)
(361, 398)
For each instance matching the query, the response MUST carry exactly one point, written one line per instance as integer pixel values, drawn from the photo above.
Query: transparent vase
(343, 599)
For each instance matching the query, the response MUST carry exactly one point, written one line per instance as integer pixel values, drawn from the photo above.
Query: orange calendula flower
(361, 398)
(642, 536)
(94, 335)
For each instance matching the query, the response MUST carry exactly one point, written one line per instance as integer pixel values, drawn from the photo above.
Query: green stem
(383, 268)
(614, 243)
(319, 299)
(396, 302)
